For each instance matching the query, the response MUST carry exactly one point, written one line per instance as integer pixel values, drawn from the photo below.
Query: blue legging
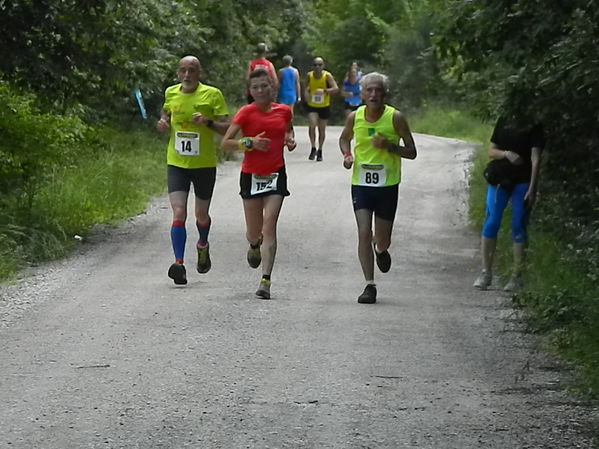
(497, 199)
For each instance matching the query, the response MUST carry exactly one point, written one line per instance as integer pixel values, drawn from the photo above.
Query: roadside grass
(112, 179)
(560, 300)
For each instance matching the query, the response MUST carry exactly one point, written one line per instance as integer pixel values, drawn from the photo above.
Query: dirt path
(103, 351)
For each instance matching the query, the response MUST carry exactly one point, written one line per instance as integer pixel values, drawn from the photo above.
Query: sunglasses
(318, 65)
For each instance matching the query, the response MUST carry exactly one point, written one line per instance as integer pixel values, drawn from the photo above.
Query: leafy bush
(33, 145)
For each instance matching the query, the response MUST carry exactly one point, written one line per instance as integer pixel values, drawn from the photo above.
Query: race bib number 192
(263, 184)
(187, 143)
(372, 175)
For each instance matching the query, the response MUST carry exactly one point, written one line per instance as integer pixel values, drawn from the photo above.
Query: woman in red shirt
(267, 128)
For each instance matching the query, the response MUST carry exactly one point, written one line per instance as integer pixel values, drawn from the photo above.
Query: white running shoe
(484, 279)
(514, 284)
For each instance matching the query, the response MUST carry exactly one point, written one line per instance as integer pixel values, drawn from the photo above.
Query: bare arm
(164, 123)
(307, 90)
(408, 149)
(231, 143)
(275, 78)
(290, 137)
(531, 194)
(332, 85)
(497, 153)
(298, 87)
(345, 140)
(220, 125)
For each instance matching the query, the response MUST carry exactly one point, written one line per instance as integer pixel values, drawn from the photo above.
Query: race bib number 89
(187, 143)
(372, 175)
(263, 184)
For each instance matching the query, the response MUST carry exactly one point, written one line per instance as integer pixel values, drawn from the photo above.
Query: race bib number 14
(262, 184)
(372, 175)
(187, 143)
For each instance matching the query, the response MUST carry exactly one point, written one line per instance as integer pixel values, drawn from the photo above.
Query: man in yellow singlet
(376, 161)
(320, 84)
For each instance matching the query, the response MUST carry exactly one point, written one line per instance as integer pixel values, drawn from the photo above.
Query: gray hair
(287, 59)
(375, 77)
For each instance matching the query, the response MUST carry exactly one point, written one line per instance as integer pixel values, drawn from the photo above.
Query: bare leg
(322, 127)
(178, 202)
(253, 210)
(272, 208)
(488, 251)
(312, 124)
(519, 255)
(365, 253)
(382, 233)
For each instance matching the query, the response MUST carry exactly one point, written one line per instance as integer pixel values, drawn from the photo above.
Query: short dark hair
(261, 48)
(257, 73)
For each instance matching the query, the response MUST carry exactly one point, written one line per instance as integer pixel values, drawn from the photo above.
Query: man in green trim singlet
(192, 113)
(376, 161)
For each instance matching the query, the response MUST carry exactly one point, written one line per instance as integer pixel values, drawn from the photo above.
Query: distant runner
(377, 128)
(260, 62)
(350, 91)
(267, 129)
(320, 84)
(192, 112)
(289, 84)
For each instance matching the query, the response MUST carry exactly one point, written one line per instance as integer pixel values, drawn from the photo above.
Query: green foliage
(87, 56)
(33, 144)
(538, 59)
(343, 31)
(110, 182)
(562, 302)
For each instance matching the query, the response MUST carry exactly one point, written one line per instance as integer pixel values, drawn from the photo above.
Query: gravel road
(101, 350)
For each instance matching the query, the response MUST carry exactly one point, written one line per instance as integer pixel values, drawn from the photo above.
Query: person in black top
(515, 153)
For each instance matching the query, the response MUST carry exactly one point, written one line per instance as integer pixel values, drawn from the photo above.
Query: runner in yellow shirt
(192, 113)
(320, 84)
(376, 161)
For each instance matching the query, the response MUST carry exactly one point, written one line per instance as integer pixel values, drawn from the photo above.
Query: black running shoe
(383, 260)
(204, 263)
(254, 257)
(319, 155)
(312, 154)
(368, 296)
(178, 274)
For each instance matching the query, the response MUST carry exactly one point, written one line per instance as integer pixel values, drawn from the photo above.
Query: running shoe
(177, 273)
(254, 257)
(484, 279)
(319, 155)
(368, 296)
(383, 260)
(204, 263)
(514, 284)
(312, 154)
(263, 289)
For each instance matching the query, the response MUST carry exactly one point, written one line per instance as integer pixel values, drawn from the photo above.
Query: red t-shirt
(262, 64)
(274, 123)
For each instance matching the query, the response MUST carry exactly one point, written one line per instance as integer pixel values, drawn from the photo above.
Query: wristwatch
(210, 123)
(248, 142)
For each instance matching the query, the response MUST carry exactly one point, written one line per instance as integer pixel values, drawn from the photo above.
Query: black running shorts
(323, 113)
(203, 179)
(381, 200)
(255, 186)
